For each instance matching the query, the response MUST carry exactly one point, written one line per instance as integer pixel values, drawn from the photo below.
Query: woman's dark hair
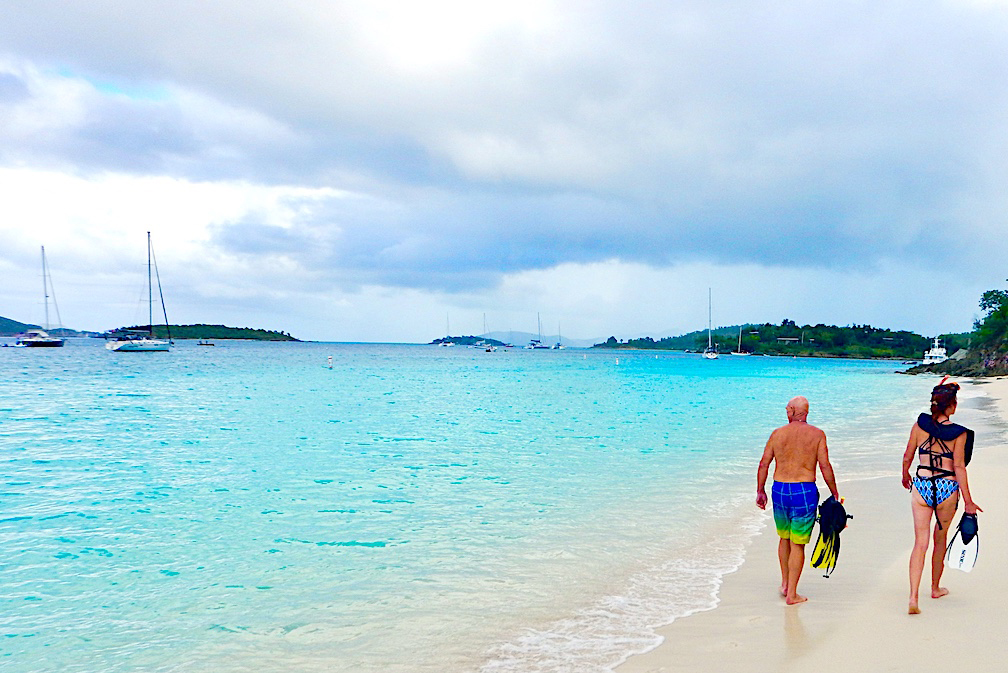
(943, 396)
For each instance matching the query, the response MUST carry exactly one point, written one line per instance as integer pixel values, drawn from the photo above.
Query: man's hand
(761, 499)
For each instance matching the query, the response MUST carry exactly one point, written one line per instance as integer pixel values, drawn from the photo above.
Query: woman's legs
(922, 535)
(946, 512)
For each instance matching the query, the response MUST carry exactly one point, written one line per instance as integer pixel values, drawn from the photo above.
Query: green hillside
(214, 332)
(789, 338)
(10, 327)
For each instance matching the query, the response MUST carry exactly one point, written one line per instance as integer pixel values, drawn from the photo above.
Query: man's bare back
(795, 449)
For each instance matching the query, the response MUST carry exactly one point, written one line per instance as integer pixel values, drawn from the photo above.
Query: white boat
(558, 346)
(447, 342)
(936, 353)
(140, 341)
(710, 353)
(537, 344)
(39, 338)
(485, 343)
(739, 351)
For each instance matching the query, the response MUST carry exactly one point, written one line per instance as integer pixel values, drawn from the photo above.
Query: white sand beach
(857, 619)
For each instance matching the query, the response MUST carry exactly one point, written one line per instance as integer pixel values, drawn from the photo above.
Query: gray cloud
(804, 136)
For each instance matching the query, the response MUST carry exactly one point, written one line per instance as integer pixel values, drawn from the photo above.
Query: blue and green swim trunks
(794, 509)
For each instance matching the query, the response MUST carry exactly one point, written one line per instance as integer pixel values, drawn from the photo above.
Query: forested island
(789, 338)
(9, 328)
(210, 332)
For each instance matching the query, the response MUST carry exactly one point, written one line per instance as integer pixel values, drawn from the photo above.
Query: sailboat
(739, 351)
(40, 338)
(710, 353)
(558, 346)
(140, 341)
(447, 342)
(487, 345)
(537, 344)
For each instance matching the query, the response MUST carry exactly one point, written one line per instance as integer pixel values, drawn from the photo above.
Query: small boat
(40, 338)
(486, 343)
(140, 341)
(740, 351)
(537, 344)
(201, 342)
(447, 341)
(936, 353)
(37, 338)
(710, 353)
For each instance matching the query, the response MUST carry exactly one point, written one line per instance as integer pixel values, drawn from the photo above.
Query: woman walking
(942, 448)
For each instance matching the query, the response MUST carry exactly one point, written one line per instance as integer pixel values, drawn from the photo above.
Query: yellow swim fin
(832, 520)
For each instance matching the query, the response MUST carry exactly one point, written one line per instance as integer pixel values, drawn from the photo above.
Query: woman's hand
(972, 508)
(907, 480)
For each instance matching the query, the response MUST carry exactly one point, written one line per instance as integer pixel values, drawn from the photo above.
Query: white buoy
(330, 362)
(617, 360)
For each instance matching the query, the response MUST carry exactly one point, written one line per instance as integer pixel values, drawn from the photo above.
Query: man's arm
(763, 472)
(826, 468)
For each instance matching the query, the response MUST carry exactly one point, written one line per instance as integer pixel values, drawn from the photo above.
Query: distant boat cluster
(123, 341)
(491, 345)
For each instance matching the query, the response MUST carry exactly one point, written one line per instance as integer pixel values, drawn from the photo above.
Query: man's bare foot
(913, 609)
(939, 592)
(797, 599)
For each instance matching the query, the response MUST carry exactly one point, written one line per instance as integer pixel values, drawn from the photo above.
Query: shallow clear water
(411, 509)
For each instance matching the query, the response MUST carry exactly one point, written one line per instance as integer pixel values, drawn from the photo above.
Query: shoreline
(858, 615)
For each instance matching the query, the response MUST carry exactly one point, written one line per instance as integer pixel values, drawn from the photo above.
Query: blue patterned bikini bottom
(942, 488)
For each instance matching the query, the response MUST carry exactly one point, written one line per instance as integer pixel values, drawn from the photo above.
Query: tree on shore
(992, 330)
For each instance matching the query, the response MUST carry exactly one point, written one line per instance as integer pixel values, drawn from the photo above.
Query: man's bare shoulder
(798, 427)
(778, 433)
(816, 430)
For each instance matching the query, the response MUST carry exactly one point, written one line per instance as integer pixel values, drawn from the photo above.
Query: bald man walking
(797, 448)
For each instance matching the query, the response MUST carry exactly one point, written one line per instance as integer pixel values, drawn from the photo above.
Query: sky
(390, 171)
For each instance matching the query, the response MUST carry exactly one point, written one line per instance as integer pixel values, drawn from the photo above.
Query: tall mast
(708, 317)
(150, 292)
(45, 290)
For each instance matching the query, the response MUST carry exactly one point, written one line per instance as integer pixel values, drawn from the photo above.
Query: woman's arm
(908, 456)
(959, 462)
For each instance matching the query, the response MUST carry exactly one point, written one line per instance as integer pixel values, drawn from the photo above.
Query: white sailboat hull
(138, 345)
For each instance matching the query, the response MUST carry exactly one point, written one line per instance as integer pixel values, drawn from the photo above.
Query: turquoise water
(411, 509)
